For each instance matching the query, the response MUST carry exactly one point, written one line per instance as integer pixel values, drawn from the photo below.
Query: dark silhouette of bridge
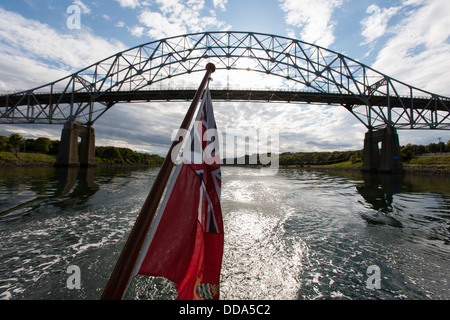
(315, 74)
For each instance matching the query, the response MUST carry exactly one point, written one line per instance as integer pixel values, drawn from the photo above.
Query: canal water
(297, 234)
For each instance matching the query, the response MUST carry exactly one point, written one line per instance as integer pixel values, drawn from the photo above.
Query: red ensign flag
(185, 242)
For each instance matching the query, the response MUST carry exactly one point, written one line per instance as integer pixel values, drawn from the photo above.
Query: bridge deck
(111, 98)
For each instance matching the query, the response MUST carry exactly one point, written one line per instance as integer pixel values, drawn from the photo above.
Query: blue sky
(406, 39)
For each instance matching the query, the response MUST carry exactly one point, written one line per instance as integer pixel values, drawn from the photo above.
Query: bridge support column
(389, 159)
(69, 155)
(87, 150)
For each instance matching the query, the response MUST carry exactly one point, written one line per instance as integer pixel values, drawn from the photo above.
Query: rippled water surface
(298, 234)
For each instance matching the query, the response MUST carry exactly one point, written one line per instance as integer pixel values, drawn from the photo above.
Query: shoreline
(12, 164)
(407, 169)
(23, 164)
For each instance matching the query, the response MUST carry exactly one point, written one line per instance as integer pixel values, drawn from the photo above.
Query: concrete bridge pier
(69, 154)
(389, 159)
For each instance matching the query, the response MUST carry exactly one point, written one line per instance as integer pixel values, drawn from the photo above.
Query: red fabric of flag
(185, 243)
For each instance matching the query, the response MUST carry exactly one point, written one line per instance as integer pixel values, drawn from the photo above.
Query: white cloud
(19, 73)
(375, 25)
(413, 2)
(136, 31)
(301, 127)
(128, 3)
(84, 8)
(33, 53)
(419, 49)
(175, 17)
(159, 26)
(313, 17)
(220, 4)
(120, 24)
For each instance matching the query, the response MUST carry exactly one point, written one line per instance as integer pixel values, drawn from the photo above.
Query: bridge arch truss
(315, 74)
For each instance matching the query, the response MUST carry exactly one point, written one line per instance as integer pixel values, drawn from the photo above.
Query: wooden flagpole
(118, 281)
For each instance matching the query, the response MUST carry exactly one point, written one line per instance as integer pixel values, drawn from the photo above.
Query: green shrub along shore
(16, 150)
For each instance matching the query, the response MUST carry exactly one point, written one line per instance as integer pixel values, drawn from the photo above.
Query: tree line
(323, 158)
(15, 143)
(318, 158)
(413, 150)
(114, 155)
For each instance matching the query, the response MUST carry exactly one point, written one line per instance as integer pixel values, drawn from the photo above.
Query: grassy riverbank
(26, 158)
(439, 164)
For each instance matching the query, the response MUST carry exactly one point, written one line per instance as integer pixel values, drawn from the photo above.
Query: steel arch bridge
(316, 74)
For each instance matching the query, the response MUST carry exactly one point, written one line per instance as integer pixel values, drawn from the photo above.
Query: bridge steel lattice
(315, 74)
(320, 75)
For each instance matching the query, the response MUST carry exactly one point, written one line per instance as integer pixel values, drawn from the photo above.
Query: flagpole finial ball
(211, 67)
